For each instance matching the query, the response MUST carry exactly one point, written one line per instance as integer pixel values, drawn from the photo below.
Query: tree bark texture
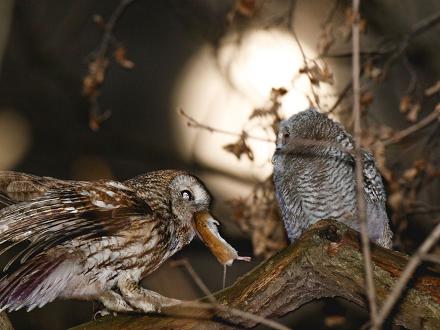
(325, 262)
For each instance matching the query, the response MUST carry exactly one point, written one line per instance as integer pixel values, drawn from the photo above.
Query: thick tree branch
(325, 262)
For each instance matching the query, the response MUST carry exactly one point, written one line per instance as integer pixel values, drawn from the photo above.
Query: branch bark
(325, 262)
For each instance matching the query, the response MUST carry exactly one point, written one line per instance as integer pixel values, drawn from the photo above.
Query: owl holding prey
(97, 240)
(314, 177)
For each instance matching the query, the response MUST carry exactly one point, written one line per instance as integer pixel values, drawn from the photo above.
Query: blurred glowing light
(220, 88)
(14, 138)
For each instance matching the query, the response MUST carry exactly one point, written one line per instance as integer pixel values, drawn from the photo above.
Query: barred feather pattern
(316, 180)
(80, 237)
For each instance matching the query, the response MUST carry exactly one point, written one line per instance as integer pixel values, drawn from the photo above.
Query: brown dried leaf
(367, 98)
(372, 72)
(405, 104)
(434, 89)
(246, 8)
(395, 200)
(95, 76)
(276, 93)
(413, 112)
(317, 74)
(120, 55)
(240, 148)
(99, 21)
(410, 174)
(334, 321)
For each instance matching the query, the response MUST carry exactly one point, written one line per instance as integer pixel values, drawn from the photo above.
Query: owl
(314, 177)
(97, 240)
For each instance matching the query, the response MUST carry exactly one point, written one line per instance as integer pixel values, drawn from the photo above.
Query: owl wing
(373, 184)
(17, 187)
(74, 210)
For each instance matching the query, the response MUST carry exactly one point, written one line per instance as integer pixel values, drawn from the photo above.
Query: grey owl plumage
(314, 177)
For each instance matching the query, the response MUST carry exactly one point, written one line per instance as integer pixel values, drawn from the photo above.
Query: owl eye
(186, 195)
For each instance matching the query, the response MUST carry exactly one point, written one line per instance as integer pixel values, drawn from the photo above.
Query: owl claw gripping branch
(97, 240)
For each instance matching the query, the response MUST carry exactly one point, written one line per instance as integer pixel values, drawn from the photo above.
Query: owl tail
(37, 282)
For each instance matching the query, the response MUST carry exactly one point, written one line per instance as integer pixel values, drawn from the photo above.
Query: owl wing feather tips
(17, 187)
(84, 210)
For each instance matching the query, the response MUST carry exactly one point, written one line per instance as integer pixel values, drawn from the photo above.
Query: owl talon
(142, 299)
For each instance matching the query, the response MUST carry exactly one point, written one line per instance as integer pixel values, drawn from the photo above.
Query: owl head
(308, 125)
(173, 194)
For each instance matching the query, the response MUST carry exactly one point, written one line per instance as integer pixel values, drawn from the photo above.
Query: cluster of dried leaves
(258, 215)
(98, 65)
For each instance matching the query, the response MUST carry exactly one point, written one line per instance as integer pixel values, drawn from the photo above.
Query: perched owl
(314, 177)
(97, 240)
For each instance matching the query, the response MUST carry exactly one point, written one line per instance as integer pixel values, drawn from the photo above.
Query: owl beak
(206, 228)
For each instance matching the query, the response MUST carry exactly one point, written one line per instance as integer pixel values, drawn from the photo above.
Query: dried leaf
(99, 21)
(95, 76)
(367, 98)
(413, 112)
(240, 148)
(120, 55)
(372, 72)
(410, 174)
(334, 321)
(405, 103)
(246, 8)
(434, 89)
(317, 74)
(395, 200)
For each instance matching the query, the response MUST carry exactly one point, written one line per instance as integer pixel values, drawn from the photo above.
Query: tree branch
(360, 198)
(325, 262)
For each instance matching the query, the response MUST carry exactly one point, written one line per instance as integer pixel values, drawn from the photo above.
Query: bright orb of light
(220, 88)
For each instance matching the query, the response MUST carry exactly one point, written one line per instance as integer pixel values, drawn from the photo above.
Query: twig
(98, 65)
(185, 263)
(407, 273)
(291, 26)
(414, 128)
(431, 258)
(110, 25)
(192, 122)
(416, 29)
(213, 302)
(341, 96)
(359, 167)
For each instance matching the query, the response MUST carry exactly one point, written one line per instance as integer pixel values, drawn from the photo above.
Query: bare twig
(216, 306)
(196, 278)
(406, 275)
(291, 26)
(110, 25)
(192, 122)
(359, 167)
(341, 96)
(417, 29)
(414, 128)
(431, 258)
(98, 66)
